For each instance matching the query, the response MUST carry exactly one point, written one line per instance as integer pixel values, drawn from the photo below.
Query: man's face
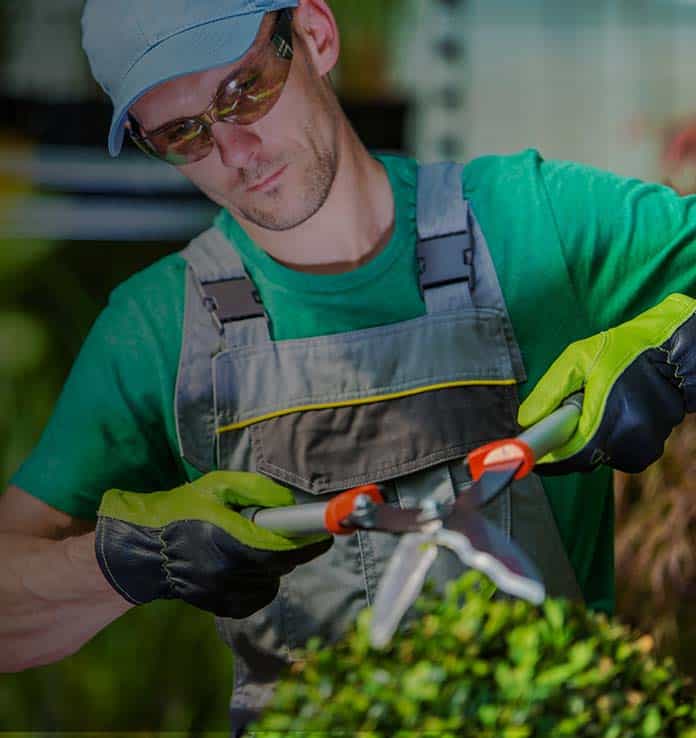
(276, 172)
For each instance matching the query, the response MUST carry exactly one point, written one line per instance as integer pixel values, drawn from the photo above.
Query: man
(348, 319)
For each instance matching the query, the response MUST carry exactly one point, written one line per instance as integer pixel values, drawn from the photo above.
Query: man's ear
(314, 22)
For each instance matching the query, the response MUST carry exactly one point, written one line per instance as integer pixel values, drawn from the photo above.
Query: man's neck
(352, 227)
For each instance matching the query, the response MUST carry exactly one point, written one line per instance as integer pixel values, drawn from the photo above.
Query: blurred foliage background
(159, 667)
(432, 77)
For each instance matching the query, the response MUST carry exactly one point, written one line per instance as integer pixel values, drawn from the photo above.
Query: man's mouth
(268, 182)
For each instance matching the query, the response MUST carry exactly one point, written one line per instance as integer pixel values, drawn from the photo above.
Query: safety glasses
(242, 98)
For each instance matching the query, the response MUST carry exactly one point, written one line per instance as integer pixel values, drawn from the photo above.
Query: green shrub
(474, 665)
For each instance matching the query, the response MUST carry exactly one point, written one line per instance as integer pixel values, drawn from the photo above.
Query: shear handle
(526, 449)
(313, 517)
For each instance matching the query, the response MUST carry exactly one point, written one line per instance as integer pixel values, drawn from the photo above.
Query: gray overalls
(400, 404)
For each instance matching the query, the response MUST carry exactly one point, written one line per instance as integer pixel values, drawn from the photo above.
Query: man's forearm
(53, 599)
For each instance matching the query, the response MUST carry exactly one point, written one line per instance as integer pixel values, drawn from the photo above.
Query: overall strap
(455, 266)
(221, 310)
(445, 250)
(225, 290)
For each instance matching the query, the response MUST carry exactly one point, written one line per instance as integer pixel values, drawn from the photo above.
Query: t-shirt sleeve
(626, 243)
(113, 423)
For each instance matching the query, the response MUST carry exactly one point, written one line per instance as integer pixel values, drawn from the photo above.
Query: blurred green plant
(366, 28)
(29, 377)
(472, 666)
(161, 667)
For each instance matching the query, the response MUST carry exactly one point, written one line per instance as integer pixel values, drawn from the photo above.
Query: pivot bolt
(430, 509)
(362, 503)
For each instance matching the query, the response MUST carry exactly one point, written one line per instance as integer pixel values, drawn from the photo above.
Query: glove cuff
(131, 560)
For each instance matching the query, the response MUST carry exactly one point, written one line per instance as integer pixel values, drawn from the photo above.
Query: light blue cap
(133, 45)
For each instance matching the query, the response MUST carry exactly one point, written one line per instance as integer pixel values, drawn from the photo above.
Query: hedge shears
(458, 526)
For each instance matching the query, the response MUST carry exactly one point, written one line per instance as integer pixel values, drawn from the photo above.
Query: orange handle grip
(501, 453)
(341, 506)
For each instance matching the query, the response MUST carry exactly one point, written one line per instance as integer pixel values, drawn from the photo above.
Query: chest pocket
(333, 412)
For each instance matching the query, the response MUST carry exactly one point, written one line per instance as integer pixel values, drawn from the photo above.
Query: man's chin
(280, 218)
(288, 203)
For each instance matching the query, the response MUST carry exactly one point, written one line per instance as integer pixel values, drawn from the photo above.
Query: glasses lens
(248, 98)
(182, 142)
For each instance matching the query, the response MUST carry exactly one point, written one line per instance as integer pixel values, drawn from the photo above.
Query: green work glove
(188, 543)
(639, 380)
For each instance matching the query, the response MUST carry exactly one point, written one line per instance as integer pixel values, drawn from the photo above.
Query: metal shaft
(295, 520)
(554, 430)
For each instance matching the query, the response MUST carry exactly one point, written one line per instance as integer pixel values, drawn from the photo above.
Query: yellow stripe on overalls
(360, 401)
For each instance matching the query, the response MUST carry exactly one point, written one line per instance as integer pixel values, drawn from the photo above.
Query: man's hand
(188, 543)
(639, 380)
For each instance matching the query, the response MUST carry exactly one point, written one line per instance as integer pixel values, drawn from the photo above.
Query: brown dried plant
(656, 546)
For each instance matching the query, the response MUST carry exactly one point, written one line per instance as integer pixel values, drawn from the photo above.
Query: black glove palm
(187, 543)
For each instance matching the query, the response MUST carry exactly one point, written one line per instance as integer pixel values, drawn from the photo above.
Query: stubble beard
(313, 191)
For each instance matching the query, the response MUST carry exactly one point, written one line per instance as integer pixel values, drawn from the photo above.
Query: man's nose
(238, 145)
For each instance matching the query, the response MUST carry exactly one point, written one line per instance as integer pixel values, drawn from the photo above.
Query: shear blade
(389, 519)
(400, 585)
(488, 487)
(483, 546)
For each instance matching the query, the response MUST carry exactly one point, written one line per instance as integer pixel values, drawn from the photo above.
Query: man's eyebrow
(228, 77)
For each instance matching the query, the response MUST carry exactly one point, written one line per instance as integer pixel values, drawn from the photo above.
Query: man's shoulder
(506, 193)
(560, 178)
(488, 170)
(154, 282)
(145, 312)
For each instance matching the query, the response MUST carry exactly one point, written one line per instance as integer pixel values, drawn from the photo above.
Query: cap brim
(195, 50)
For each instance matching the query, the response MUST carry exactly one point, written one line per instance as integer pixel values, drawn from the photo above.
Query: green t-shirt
(576, 250)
